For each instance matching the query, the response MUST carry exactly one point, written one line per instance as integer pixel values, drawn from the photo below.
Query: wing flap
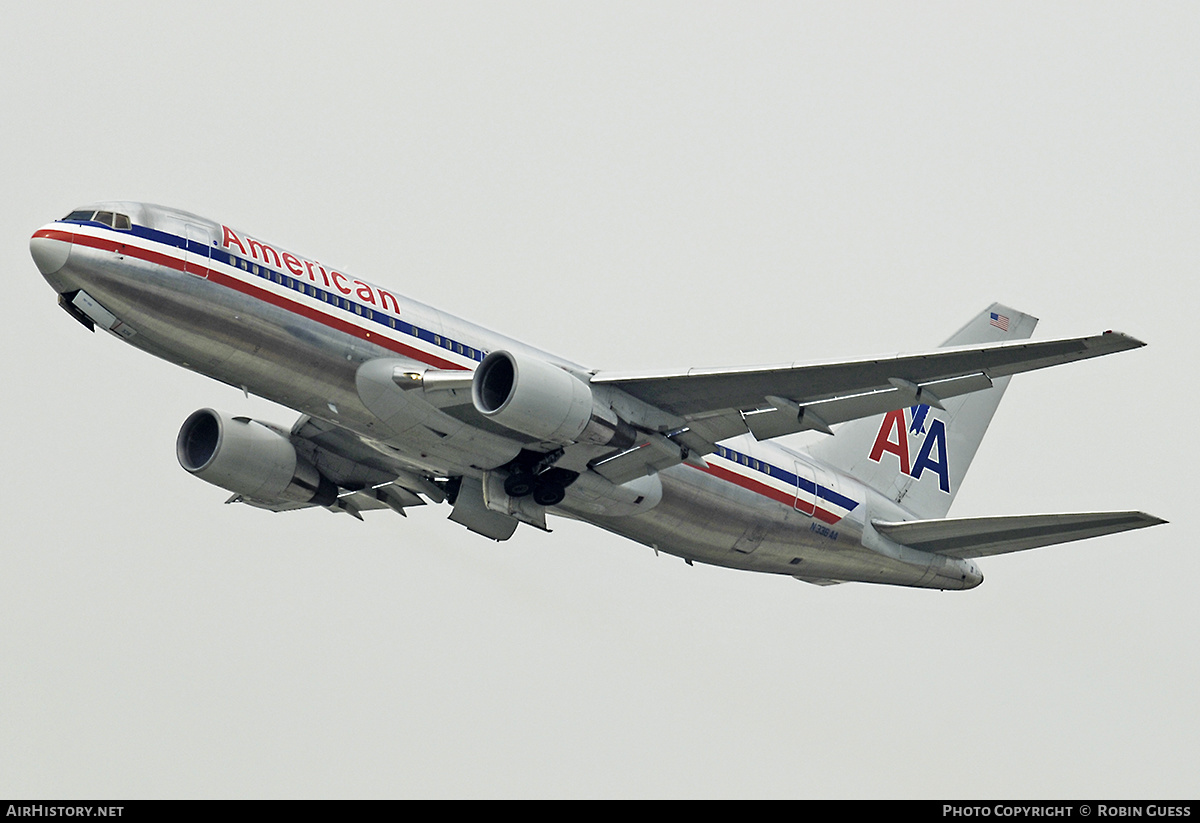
(392, 496)
(651, 453)
(972, 537)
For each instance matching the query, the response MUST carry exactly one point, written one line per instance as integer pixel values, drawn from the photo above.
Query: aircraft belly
(702, 518)
(705, 519)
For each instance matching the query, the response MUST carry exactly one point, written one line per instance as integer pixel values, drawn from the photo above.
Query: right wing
(846, 390)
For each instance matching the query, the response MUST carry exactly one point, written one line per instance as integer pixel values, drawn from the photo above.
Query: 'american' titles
(301, 267)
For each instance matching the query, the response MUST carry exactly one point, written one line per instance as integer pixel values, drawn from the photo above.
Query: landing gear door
(196, 250)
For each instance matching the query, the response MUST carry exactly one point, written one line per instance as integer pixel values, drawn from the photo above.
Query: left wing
(367, 479)
(971, 537)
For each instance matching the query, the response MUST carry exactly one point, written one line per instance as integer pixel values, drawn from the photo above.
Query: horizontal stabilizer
(970, 537)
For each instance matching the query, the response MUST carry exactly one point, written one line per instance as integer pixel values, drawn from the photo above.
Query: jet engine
(249, 458)
(545, 402)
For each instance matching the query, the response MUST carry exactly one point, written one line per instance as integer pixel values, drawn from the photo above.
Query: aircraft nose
(50, 251)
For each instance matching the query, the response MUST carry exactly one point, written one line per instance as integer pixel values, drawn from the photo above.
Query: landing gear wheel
(519, 484)
(549, 494)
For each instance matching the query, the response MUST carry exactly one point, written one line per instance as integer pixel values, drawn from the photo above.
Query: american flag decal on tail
(1000, 321)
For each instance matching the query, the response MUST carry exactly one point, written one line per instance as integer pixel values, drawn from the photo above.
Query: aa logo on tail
(929, 432)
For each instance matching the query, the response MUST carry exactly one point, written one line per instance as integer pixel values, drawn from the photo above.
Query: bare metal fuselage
(298, 336)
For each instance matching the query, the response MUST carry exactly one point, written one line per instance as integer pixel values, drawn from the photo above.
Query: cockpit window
(112, 219)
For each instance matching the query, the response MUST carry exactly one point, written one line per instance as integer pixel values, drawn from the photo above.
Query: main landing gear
(533, 474)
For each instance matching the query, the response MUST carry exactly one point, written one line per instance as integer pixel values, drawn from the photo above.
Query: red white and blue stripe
(794, 490)
(271, 285)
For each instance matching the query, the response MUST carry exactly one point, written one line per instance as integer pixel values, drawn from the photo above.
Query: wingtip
(1129, 341)
(1142, 520)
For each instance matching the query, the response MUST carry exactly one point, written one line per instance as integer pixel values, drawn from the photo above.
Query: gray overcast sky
(633, 186)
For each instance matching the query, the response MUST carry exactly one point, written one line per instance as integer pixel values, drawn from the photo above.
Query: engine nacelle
(545, 402)
(250, 459)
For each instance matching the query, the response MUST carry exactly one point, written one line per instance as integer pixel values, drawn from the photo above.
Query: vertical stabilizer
(918, 456)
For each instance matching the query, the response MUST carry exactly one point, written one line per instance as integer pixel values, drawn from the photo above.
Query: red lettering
(292, 263)
(230, 236)
(256, 246)
(308, 264)
(364, 292)
(893, 421)
(383, 302)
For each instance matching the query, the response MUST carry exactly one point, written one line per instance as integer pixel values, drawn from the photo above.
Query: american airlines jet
(401, 404)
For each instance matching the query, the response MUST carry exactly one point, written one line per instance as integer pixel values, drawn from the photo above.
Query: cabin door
(196, 250)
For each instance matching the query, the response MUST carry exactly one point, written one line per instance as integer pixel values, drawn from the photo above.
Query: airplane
(402, 405)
